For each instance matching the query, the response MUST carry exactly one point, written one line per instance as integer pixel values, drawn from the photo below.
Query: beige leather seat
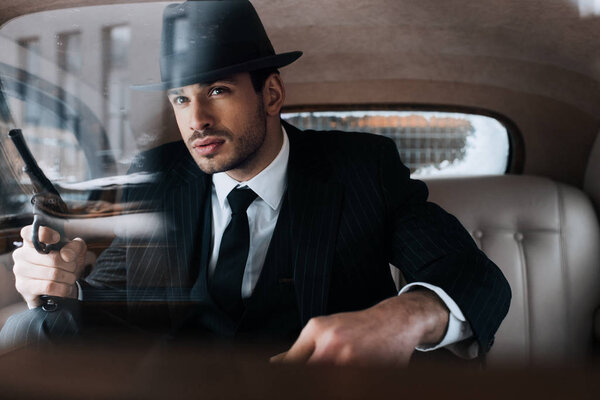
(591, 184)
(546, 239)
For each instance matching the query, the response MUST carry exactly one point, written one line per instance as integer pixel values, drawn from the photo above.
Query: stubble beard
(245, 144)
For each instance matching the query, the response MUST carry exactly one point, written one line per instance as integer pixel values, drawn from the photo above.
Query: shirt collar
(269, 184)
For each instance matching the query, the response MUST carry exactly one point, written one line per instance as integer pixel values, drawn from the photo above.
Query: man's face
(222, 123)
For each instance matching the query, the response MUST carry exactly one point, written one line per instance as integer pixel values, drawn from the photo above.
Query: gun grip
(49, 303)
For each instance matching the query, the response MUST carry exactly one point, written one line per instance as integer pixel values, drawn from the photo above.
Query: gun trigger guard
(39, 246)
(38, 220)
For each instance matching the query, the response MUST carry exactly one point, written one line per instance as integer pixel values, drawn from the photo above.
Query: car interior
(531, 66)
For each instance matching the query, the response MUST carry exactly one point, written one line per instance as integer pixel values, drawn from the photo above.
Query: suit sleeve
(430, 245)
(110, 271)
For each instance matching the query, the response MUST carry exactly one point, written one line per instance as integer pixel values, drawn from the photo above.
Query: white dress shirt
(270, 185)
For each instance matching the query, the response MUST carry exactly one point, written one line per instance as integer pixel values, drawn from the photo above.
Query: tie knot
(240, 199)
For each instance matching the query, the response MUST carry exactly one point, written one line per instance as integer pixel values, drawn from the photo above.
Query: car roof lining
(532, 61)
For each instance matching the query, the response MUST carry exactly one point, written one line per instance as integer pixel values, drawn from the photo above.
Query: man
(269, 231)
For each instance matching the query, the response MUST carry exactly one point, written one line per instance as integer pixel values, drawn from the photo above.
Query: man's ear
(273, 94)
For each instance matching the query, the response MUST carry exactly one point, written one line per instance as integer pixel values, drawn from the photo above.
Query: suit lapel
(315, 205)
(184, 205)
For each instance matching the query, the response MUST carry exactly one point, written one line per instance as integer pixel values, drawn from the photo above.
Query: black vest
(271, 311)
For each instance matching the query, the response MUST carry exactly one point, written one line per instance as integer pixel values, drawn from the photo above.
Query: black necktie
(226, 283)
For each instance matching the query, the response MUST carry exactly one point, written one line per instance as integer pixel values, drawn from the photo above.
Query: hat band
(176, 67)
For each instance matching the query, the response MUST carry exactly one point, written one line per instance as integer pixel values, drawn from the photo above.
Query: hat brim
(276, 61)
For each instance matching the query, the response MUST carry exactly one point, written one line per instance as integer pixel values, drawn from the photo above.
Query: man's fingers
(29, 256)
(48, 235)
(278, 357)
(45, 235)
(38, 272)
(73, 250)
(35, 287)
(26, 236)
(303, 348)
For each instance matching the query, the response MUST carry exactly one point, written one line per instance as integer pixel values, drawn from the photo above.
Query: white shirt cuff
(459, 336)
(79, 291)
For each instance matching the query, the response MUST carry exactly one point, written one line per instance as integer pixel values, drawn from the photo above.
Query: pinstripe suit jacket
(353, 210)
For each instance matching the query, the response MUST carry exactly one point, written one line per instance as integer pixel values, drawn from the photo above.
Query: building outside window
(29, 62)
(116, 82)
(69, 60)
(430, 143)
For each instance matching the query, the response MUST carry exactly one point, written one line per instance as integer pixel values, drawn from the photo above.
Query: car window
(62, 132)
(430, 143)
(66, 78)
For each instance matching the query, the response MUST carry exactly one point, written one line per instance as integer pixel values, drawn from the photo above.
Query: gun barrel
(31, 166)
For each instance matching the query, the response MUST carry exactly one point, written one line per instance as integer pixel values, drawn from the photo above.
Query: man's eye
(179, 100)
(217, 91)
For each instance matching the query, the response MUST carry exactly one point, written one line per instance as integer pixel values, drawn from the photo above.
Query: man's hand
(53, 274)
(386, 333)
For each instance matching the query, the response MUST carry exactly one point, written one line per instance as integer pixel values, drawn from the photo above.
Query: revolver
(46, 202)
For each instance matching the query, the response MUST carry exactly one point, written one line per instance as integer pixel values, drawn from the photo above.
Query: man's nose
(200, 117)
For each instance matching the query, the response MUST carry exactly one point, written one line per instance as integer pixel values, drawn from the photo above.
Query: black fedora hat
(203, 41)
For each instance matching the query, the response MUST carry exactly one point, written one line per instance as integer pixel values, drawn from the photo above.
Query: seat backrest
(591, 183)
(545, 238)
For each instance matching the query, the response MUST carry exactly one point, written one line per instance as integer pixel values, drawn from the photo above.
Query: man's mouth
(207, 146)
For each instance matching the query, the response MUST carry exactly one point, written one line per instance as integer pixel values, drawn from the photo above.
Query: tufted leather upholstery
(591, 184)
(546, 239)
